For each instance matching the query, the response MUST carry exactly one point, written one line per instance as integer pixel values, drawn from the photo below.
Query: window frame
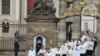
(2, 8)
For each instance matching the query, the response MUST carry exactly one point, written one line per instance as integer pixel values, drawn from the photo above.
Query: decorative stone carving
(83, 9)
(44, 8)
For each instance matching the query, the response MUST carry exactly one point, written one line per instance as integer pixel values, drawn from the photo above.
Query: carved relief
(83, 9)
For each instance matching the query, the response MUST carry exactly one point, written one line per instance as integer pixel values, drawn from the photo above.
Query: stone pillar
(17, 9)
(0, 7)
(62, 32)
(42, 27)
(76, 27)
(24, 9)
(98, 38)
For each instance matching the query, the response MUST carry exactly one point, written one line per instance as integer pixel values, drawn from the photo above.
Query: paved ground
(97, 53)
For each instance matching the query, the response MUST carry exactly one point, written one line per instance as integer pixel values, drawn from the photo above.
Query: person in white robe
(58, 52)
(83, 38)
(63, 49)
(84, 47)
(76, 51)
(76, 48)
(90, 47)
(50, 53)
(42, 51)
(66, 44)
(31, 52)
(70, 43)
(70, 51)
(53, 50)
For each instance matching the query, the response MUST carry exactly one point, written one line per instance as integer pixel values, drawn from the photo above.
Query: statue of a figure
(43, 7)
(17, 34)
(50, 7)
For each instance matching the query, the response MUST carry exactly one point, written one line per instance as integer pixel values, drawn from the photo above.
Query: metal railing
(7, 39)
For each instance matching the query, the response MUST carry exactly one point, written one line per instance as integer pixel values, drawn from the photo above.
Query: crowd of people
(84, 45)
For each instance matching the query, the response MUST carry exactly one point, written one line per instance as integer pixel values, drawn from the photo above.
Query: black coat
(16, 46)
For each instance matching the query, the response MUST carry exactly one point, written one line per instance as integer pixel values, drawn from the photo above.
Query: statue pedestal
(42, 25)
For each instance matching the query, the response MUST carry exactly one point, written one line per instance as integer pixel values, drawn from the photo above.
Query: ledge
(42, 19)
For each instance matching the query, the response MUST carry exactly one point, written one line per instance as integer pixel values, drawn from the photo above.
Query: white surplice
(58, 52)
(50, 54)
(83, 47)
(63, 49)
(90, 45)
(53, 50)
(42, 51)
(31, 53)
(76, 51)
(70, 52)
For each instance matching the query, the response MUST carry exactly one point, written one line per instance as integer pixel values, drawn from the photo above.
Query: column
(62, 32)
(76, 27)
(24, 9)
(0, 7)
(17, 10)
(98, 38)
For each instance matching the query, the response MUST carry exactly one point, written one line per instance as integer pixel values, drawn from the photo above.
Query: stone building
(14, 12)
(47, 27)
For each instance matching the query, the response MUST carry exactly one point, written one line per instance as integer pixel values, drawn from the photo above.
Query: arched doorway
(39, 41)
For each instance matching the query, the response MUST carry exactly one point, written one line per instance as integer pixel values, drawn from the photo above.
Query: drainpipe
(20, 13)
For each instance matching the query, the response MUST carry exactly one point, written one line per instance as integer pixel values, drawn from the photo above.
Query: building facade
(39, 27)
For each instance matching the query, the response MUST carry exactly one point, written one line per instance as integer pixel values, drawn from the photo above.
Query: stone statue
(43, 7)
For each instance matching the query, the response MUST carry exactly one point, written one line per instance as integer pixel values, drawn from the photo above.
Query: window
(62, 6)
(69, 2)
(5, 6)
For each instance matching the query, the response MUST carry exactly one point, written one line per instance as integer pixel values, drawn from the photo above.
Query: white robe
(83, 48)
(63, 49)
(70, 44)
(58, 52)
(31, 53)
(70, 52)
(53, 50)
(83, 38)
(50, 54)
(76, 51)
(42, 51)
(90, 45)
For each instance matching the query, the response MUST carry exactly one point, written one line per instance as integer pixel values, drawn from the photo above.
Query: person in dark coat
(16, 47)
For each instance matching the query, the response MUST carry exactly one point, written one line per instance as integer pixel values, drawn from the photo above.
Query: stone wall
(75, 27)
(98, 38)
(49, 29)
